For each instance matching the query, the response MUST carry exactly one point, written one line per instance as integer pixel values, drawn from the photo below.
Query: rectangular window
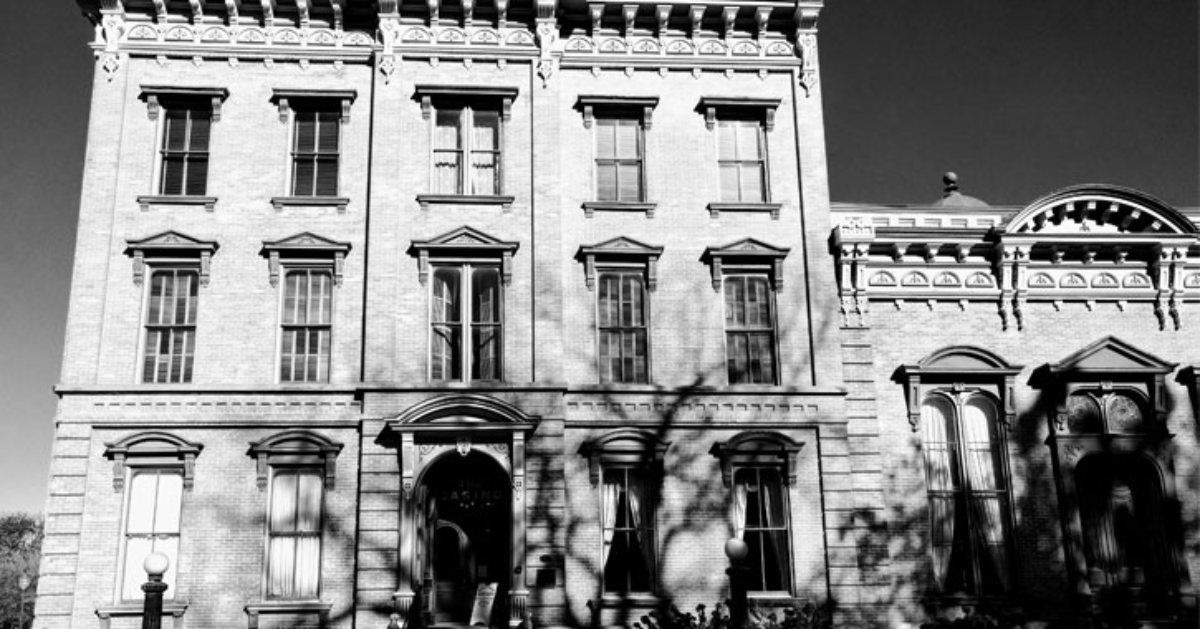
(154, 499)
(742, 161)
(315, 151)
(619, 151)
(470, 307)
(627, 511)
(170, 326)
(466, 151)
(749, 330)
(761, 517)
(184, 153)
(294, 534)
(622, 322)
(307, 326)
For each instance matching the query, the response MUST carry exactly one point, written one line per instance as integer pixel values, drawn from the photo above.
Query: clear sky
(1020, 97)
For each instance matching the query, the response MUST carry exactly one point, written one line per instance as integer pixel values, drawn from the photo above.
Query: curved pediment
(962, 359)
(1100, 210)
(468, 408)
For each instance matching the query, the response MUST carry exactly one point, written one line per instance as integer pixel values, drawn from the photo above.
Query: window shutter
(628, 145)
(328, 131)
(726, 141)
(306, 131)
(176, 131)
(606, 139)
(326, 176)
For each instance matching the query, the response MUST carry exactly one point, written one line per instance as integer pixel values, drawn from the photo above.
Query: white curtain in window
(936, 412)
(979, 416)
(739, 507)
(639, 500)
(151, 524)
(609, 494)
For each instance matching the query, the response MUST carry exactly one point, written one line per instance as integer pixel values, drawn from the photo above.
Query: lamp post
(156, 565)
(23, 585)
(737, 550)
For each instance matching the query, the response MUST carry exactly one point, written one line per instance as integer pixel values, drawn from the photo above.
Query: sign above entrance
(485, 599)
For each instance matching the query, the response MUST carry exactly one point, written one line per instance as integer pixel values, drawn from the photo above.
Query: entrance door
(470, 502)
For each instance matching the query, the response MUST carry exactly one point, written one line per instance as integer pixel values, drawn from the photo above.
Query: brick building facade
(378, 302)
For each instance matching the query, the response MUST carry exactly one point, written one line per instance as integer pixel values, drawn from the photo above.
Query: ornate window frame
(475, 97)
(157, 97)
(620, 253)
(629, 448)
(1108, 367)
(305, 249)
(285, 100)
(171, 248)
(152, 449)
(295, 448)
(955, 375)
(465, 243)
(746, 255)
(639, 108)
(744, 108)
(758, 448)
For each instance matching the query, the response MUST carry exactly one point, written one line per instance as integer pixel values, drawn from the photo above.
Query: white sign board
(485, 599)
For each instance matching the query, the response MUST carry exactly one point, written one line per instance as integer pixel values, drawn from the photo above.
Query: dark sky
(1020, 97)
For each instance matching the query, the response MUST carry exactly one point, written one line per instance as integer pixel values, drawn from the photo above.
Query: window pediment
(627, 447)
(505, 95)
(1113, 357)
(295, 447)
(617, 251)
(152, 448)
(170, 246)
(958, 369)
(465, 242)
(757, 449)
(746, 254)
(286, 99)
(642, 105)
(155, 95)
(710, 105)
(305, 247)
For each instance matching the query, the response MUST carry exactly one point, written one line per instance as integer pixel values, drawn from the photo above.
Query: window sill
(146, 200)
(642, 601)
(426, 200)
(281, 203)
(174, 609)
(319, 608)
(715, 209)
(591, 207)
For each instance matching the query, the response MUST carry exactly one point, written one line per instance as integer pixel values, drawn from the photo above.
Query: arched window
(627, 465)
(968, 493)
(960, 401)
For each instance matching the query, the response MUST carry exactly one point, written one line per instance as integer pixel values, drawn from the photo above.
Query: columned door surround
(1110, 372)
(455, 425)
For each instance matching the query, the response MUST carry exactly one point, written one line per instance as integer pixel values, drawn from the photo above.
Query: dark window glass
(184, 151)
(622, 322)
(170, 326)
(749, 330)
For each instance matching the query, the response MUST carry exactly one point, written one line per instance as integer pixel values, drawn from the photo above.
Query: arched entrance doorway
(466, 506)
(462, 508)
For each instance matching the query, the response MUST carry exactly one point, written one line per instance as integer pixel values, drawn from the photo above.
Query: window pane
(606, 139)
(628, 145)
(175, 133)
(308, 503)
(629, 182)
(487, 130)
(136, 550)
(143, 492)
(484, 172)
(730, 185)
(328, 131)
(304, 176)
(747, 140)
(726, 140)
(446, 132)
(485, 353)
(170, 497)
(485, 292)
(446, 294)
(306, 131)
(196, 179)
(606, 182)
(282, 517)
(281, 567)
(173, 174)
(326, 176)
(200, 130)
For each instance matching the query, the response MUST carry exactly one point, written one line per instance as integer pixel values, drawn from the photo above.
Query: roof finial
(950, 179)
